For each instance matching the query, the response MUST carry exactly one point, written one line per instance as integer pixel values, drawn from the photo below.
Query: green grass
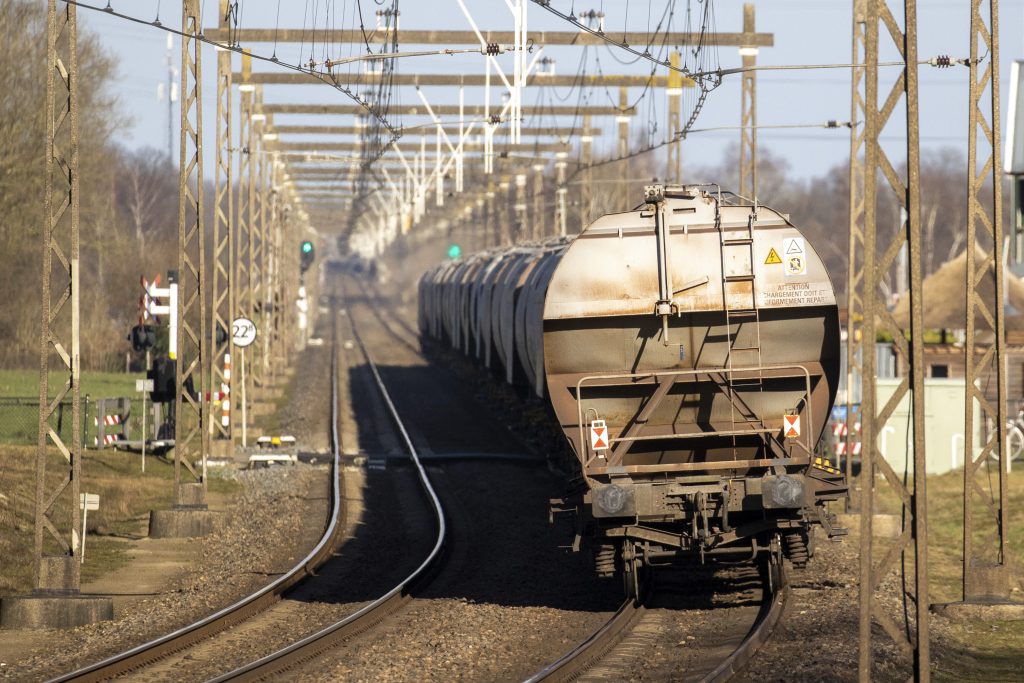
(25, 383)
(19, 411)
(945, 525)
(971, 650)
(126, 497)
(982, 651)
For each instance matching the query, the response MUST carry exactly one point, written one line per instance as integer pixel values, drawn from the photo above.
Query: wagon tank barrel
(693, 413)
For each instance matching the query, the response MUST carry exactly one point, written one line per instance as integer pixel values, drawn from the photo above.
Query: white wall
(944, 426)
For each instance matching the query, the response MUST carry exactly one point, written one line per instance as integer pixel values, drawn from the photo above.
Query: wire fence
(19, 420)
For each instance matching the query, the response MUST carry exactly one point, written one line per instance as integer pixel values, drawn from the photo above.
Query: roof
(945, 305)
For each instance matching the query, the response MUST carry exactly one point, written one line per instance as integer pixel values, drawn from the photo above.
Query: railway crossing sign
(243, 332)
(791, 426)
(598, 435)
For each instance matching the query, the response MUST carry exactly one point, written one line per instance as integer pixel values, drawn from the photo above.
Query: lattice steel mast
(748, 112)
(58, 516)
(855, 340)
(223, 301)
(191, 433)
(985, 566)
(912, 641)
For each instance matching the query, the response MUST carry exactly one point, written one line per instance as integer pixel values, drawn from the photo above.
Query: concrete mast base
(43, 610)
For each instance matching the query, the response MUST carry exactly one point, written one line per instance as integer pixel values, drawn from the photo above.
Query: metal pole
(538, 229)
(587, 149)
(243, 218)
(222, 297)
(562, 191)
(504, 231)
(144, 392)
(191, 434)
(985, 564)
(241, 361)
(748, 116)
(856, 344)
(255, 234)
(623, 191)
(521, 228)
(492, 217)
(85, 522)
(623, 121)
(674, 91)
(276, 271)
(170, 98)
(912, 639)
(56, 540)
(266, 249)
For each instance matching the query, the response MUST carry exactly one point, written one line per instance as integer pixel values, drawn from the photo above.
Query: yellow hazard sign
(773, 258)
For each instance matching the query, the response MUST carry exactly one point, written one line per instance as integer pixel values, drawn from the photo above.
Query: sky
(805, 32)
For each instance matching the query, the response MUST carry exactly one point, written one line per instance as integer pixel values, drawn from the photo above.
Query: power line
(108, 10)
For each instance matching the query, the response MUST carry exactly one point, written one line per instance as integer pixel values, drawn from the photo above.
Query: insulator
(941, 62)
(832, 123)
(495, 119)
(493, 49)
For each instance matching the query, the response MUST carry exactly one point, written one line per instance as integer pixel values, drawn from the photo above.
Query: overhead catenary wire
(775, 126)
(939, 61)
(571, 18)
(679, 137)
(109, 10)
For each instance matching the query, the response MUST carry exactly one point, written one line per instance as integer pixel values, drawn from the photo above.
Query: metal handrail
(587, 458)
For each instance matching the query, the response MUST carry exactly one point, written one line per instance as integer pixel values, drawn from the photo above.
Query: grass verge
(25, 383)
(967, 650)
(126, 497)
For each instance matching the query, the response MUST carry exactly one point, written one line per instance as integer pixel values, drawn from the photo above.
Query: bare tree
(143, 182)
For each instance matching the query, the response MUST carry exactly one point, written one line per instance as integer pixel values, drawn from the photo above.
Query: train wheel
(771, 567)
(630, 574)
(631, 582)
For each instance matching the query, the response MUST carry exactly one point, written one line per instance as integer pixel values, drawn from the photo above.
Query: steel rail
(374, 612)
(767, 619)
(587, 653)
(248, 606)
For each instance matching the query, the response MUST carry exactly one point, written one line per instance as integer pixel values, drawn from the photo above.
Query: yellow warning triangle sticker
(773, 258)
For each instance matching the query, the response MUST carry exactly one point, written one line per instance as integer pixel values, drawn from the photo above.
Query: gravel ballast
(258, 541)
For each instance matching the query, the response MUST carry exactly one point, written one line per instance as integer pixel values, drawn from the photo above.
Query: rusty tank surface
(689, 350)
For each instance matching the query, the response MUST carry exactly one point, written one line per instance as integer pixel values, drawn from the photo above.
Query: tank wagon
(689, 350)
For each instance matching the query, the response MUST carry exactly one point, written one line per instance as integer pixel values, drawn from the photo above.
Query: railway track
(371, 614)
(583, 660)
(154, 652)
(183, 638)
(586, 656)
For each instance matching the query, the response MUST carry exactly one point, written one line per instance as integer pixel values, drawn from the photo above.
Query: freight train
(689, 351)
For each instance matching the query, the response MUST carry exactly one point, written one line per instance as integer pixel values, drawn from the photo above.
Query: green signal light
(454, 251)
(307, 247)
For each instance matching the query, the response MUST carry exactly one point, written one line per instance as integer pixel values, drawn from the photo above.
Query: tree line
(128, 198)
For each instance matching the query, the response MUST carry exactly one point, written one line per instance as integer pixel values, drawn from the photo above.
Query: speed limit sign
(243, 332)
